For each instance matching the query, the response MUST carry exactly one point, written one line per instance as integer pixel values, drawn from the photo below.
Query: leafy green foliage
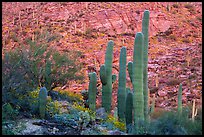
(33, 64)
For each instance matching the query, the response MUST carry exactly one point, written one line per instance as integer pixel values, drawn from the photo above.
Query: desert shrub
(66, 119)
(8, 112)
(8, 115)
(93, 131)
(175, 5)
(33, 102)
(172, 37)
(68, 95)
(79, 120)
(112, 123)
(190, 8)
(35, 64)
(185, 40)
(52, 108)
(84, 119)
(167, 124)
(170, 123)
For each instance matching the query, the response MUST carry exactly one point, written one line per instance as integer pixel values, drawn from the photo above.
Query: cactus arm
(145, 31)
(114, 78)
(103, 74)
(121, 96)
(130, 69)
(92, 91)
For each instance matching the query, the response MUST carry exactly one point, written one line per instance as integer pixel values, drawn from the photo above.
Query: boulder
(101, 113)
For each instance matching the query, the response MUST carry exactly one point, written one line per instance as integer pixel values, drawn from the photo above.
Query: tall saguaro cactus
(122, 85)
(145, 31)
(137, 79)
(106, 78)
(42, 101)
(92, 91)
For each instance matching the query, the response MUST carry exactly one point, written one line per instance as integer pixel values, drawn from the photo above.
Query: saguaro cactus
(145, 31)
(42, 101)
(128, 109)
(180, 99)
(47, 74)
(106, 78)
(92, 91)
(194, 111)
(115, 114)
(121, 96)
(152, 105)
(137, 79)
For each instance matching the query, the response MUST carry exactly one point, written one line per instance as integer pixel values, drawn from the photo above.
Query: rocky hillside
(175, 41)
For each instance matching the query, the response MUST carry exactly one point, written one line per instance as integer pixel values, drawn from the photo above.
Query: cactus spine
(145, 31)
(42, 102)
(180, 99)
(137, 77)
(121, 96)
(92, 91)
(106, 78)
(129, 107)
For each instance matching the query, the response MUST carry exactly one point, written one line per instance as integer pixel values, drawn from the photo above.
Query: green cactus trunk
(137, 77)
(128, 109)
(180, 99)
(42, 102)
(121, 96)
(92, 91)
(145, 31)
(106, 78)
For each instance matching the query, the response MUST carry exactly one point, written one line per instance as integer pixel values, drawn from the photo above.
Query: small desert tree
(34, 64)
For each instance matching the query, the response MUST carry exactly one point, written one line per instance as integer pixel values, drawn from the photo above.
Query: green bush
(52, 108)
(8, 112)
(35, 64)
(171, 124)
(167, 124)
